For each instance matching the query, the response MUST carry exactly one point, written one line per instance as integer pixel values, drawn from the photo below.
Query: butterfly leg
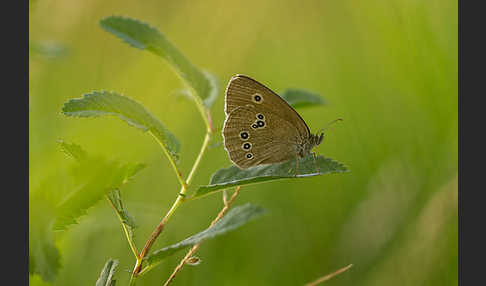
(315, 162)
(296, 166)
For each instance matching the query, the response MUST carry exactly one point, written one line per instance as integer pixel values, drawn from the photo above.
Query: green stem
(205, 114)
(130, 241)
(180, 199)
(184, 186)
(133, 277)
(204, 146)
(125, 230)
(171, 160)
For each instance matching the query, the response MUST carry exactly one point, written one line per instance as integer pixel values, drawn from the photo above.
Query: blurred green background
(388, 68)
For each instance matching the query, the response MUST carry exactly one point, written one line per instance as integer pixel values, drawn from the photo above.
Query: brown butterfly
(262, 128)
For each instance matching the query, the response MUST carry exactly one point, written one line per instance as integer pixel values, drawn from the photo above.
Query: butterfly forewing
(253, 136)
(244, 91)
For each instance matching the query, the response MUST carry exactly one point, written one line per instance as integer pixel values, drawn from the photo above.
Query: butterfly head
(317, 139)
(309, 144)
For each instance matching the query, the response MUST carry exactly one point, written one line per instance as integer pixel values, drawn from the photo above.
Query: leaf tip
(134, 32)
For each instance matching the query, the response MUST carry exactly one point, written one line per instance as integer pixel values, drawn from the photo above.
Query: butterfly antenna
(327, 125)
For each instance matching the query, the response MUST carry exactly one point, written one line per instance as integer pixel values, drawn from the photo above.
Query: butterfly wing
(243, 90)
(254, 136)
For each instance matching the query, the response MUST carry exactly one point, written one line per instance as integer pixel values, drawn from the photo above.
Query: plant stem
(133, 277)
(125, 230)
(184, 186)
(159, 229)
(204, 146)
(180, 199)
(209, 131)
(205, 114)
(172, 162)
(329, 276)
(191, 252)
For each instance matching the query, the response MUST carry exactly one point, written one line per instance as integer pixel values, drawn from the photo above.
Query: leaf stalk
(125, 229)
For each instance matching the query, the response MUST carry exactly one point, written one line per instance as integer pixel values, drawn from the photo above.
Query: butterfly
(261, 127)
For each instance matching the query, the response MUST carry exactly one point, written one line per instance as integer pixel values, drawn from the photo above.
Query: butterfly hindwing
(253, 136)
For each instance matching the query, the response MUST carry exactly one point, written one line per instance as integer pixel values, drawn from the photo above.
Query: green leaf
(128, 170)
(99, 103)
(125, 218)
(232, 220)
(106, 275)
(234, 176)
(106, 176)
(213, 89)
(72, 150)
(96, 176)
(142, 36)
(301, 98)
(44, 257)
